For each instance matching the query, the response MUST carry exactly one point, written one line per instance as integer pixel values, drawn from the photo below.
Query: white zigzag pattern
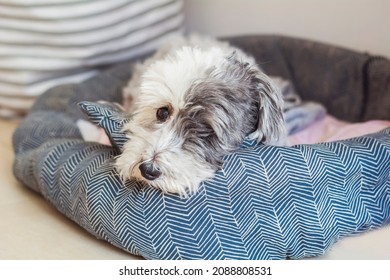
(328, 174)
(249, 194)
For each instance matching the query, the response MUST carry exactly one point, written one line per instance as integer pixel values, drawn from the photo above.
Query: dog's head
(195, 107)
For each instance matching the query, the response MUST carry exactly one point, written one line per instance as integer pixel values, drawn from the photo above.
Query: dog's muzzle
(149, 172)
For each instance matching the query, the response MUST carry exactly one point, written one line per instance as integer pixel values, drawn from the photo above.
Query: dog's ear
(271, 128)
(257, 89)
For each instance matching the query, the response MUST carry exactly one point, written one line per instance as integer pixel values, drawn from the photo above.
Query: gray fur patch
(224, 107)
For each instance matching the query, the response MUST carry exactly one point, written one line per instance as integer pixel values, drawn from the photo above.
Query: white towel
(44, 43)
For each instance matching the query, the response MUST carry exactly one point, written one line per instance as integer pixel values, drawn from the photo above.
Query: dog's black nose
(148, 171)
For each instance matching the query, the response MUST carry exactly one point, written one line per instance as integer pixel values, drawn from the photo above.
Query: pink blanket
(331, 129)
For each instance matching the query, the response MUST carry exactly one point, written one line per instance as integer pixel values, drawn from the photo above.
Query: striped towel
(44, 43)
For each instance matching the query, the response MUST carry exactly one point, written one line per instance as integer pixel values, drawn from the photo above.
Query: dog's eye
(162, 114)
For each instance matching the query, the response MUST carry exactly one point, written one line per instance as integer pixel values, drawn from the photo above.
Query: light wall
(362, 25)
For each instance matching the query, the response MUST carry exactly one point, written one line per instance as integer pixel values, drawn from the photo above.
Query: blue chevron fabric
(266, 203)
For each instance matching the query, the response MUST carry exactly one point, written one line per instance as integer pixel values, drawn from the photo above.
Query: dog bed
(266, 203)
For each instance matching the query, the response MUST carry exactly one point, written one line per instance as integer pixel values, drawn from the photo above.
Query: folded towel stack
(44, 43)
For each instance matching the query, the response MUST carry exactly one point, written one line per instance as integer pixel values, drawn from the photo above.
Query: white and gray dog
(194, 102)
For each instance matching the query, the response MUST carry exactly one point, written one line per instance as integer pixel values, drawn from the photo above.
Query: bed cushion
(266, 203)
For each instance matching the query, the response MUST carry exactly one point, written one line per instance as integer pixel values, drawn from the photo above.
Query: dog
(193, 103)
